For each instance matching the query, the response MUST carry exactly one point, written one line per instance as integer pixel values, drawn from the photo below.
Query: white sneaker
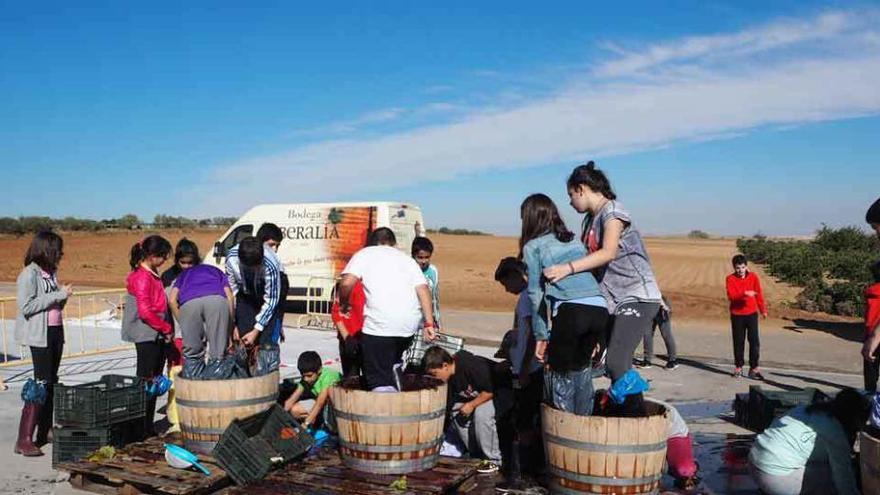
(487, 467)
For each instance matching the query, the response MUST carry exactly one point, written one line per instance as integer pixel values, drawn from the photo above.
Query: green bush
(832, 269)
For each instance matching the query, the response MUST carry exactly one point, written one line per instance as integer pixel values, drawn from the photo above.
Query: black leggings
(743, 327)
(150, 359)
(47, 360)
(871, 371)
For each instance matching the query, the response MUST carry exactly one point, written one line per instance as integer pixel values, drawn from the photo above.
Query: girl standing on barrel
(147, 321)
(576, 304)
(619, 260)
(40, 325)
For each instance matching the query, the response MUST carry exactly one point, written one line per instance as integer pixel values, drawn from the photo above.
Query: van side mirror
(218, 250)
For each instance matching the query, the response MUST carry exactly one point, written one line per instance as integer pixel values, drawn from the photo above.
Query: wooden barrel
(869, 454)
(390, 433)
(206, 407)
(610, 456)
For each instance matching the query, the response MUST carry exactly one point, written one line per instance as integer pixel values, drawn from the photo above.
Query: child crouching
(478, 404)
(315, 385)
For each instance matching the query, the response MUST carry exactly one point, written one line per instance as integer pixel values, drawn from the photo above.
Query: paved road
(805, 345)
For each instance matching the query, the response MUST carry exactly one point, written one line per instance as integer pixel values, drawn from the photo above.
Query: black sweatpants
(871, 372)
(380, 354)
(350, 354)
(46, 361)
(150, 361)
(743, 327)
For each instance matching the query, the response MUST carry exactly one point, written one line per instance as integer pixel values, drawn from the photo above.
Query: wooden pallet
(324, 474)
(140, 468)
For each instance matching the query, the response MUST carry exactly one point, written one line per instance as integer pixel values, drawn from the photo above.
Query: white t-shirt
(523, 329)
(390, 279)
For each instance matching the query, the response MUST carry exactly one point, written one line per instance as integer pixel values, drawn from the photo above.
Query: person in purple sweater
(202, 302)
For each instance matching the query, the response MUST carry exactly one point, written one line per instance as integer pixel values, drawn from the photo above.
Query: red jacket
(152, 304)
(740, 303)
(355, 320)
(872, 308)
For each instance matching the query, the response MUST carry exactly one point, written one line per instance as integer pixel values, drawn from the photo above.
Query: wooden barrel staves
(869, 457)
(207, 407)
(390, 433)
(610, 456)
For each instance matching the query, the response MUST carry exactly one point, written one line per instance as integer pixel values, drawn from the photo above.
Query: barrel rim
(255, 378)
(664, 415)
(441, 389)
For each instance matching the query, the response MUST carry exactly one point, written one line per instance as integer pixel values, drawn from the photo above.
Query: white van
(320, 238)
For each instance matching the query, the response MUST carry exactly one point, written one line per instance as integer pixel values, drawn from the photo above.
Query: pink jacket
(152, 304)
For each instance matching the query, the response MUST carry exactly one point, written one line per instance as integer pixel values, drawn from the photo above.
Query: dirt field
(691, 272)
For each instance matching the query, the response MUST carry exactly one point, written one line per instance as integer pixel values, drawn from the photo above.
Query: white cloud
(691, 98)
(352, 125)
(779, 35)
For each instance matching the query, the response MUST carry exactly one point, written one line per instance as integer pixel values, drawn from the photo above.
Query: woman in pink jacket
(150, 329)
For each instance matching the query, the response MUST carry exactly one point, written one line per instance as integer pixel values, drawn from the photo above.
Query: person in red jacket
(871, 365)
(746, 301)
(348, 327)
(156, 329)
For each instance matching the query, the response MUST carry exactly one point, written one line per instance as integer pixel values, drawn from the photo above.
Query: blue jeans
(570, 391)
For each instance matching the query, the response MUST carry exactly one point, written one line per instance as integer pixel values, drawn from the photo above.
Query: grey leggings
(666, 333)
(631, 321)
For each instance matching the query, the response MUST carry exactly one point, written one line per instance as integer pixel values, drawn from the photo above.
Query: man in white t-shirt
(398, 298)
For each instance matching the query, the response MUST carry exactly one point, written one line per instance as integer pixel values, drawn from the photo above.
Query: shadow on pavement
(850, 331)
(815, 381)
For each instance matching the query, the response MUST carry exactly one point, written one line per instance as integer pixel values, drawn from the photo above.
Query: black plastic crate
(73, 444)
(767, 405)
(250, 447)
(111, 400)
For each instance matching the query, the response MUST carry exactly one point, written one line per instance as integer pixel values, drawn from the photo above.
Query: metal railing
(320, 291)
(89, 308)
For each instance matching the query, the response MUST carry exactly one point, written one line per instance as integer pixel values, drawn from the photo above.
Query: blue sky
(731, 117)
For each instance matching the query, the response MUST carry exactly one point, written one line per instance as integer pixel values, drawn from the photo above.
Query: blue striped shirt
(272, 278)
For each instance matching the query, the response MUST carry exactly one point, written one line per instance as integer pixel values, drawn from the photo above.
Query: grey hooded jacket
(34, 298)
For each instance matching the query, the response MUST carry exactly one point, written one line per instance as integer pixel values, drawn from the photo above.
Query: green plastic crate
(111, 400)
(73, 444)
(250, 447)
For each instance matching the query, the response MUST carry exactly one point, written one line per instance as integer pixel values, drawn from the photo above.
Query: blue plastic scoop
(180, 458)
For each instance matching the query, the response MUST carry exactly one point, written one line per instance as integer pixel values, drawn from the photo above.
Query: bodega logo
(326, 231)
(304, 214)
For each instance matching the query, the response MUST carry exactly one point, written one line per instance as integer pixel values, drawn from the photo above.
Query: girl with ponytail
(146, 322)
(616, 255)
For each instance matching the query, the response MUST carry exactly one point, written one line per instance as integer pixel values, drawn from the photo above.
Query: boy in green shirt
(315, 384)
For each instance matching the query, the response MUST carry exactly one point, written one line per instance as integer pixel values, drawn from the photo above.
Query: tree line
(31, 224)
